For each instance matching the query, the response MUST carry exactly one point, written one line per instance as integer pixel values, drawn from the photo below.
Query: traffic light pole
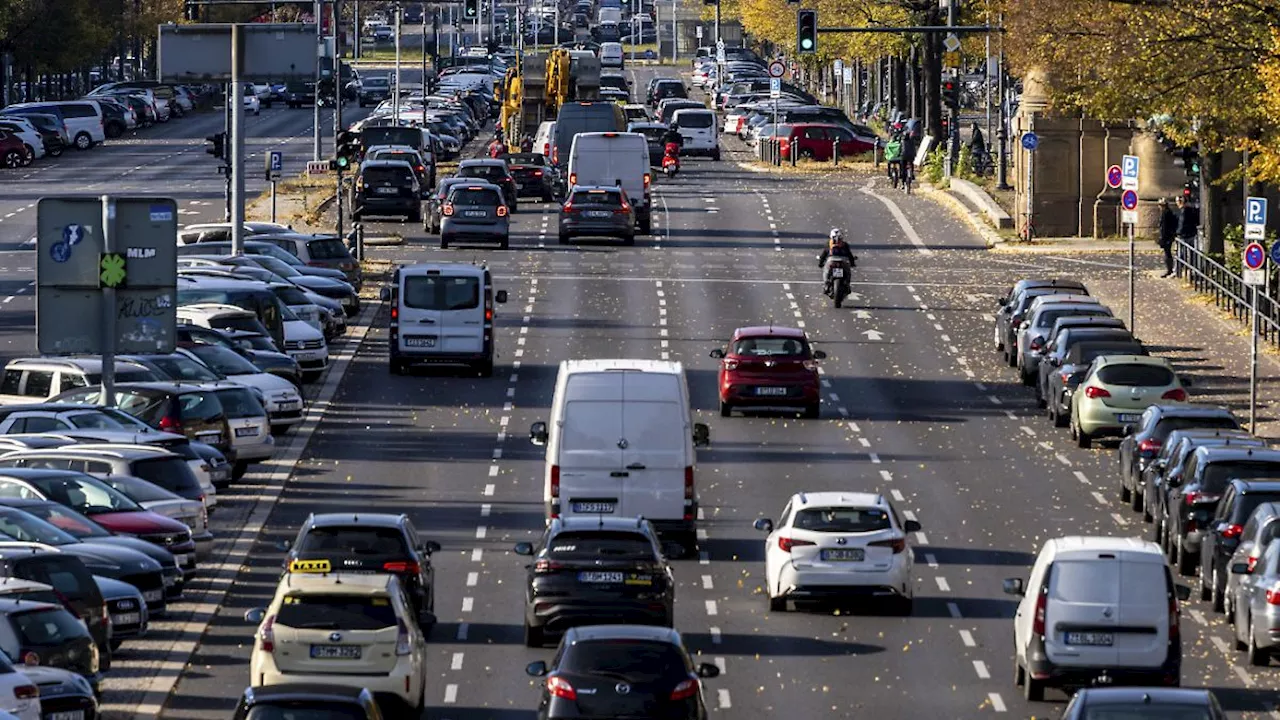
(225, 156)
(338, 99)
(236, 146)
(316, 149)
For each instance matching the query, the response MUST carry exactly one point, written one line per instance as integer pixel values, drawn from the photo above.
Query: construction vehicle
(534, 90)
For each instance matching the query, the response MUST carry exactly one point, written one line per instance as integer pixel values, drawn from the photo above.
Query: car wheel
(726, 409)
(485, 368)
(1241, 645)
(1059, 420)
(28, 156)
(646, 225)
(1033, 689)
(311, 376)
(1136, 505)
(1257, 658)
(806, 154)
(54, 151)
(814, 411)
(444, 242)
(1203, 585)
(777, 604)
(505, 243)
(239, 469)
(533, 636)
(115, 644)
(1125, 495)
(1184, 561)
(13, 159)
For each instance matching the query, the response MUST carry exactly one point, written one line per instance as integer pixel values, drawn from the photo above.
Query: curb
(383, 241)
(958, 208)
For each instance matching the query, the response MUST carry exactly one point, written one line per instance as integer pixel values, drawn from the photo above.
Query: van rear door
(655, 425)
(1143, 637)
(590, 447)
(440, 313)
(1083, 611)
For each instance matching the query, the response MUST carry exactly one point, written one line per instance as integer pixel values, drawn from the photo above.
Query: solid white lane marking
(966, 637)
(905, 224)
(981, 668)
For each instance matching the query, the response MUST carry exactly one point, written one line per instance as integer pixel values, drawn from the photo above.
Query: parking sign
(1129, 172)
(275, 165)
(1255, 218)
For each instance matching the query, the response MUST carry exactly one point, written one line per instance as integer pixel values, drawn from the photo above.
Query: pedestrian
(978, 150)
(1188, 221)
(1168, 232)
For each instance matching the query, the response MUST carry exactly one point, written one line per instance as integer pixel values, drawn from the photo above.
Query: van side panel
(655, 424)
(1084, 601)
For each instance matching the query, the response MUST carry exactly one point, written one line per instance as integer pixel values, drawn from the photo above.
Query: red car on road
(814, 142)
(769, 368)
(13, 152)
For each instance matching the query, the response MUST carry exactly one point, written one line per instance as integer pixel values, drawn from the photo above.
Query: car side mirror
(1239, 568)
(384, 294)
(524, 548)
(763, 525)
(707, 670)
(536, 669)
(538, 433)
(500, 296)
(255, 615)
(1001, 301)
(819, 355)
(717, 354)
(701, 435)
(911, 526)
(1183, 592)
(1160, 464)
(431, 547)
(1013, 586)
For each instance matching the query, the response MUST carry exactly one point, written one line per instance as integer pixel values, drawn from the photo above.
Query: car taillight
(546, 150)
(1232, 531)
(1037, 624)
(447, 209)
(1094, 391)
(1176, 394)
(568, 207)
(1249, 564)
(1273, 595)
(624, 209)
(1066, 377)
(730, 364)
(647, 180)
(395, 313)
(1197, 496)
(555, 491)
(1037, 343)
(402, 639)
(204, 512)
(573, 178)
(268, 634)
(785, 543)
(1175, 629)
(408, 567)
(686, 689)
(420, 168)
(545, 565)
(26, 692)
(30, 658)
(168, 424)
(537, 173)
(898, 545)
(561, 688)
(502, 211)
(1149, 447)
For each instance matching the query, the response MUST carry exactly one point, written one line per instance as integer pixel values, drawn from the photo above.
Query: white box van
(620, 442)
(542, 139)
(698, 129)
(611, 54)
(1096, 610)
(442, 313)
(609, 159)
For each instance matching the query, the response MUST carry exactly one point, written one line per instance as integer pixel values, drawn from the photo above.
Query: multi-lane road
(915, 407)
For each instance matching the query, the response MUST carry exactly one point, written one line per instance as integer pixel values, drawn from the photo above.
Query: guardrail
(1227, 289)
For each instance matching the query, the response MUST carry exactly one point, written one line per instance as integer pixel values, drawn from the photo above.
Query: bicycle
(908, 178)
(894, 172)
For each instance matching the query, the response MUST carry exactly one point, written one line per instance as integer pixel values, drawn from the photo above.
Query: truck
(615, 159)
(535, 90)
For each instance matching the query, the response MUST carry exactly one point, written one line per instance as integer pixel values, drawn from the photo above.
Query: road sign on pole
(848, 76)
(1129, 207)
(1254, 256)
(777, 69)
(1255, 218)
(275, 165)
(1030, 141)
(1129, 172)
(775, 88)
(951, 43)
(1114, 177)
(699, 30)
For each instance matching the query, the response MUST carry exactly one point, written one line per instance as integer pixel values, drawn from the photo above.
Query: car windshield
(67, 519)
(279, 267)
(349, 541)
(597, 544)
(387, 175)
(24, 527)
(639, 661)
(336, 612)
(440, 292)
(1217, 475)
(139, 490)
(83, 493)
(179, 367)
(170, 473)
(376, 82)
(240, 403)
(770, 346)
(223, 360)
(842, 520)
(52, 626)
(1144, 711)
(292, 296)
(1136, 375)
(92, 420)
(489, 172)
(527, 159)
(1049, 317)
(123, 376)
(695, 120)
(608, 198)
(247, 322)
(305, 710)
(1169, 424)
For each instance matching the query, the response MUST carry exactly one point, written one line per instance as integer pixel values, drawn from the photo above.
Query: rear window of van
(695, 120)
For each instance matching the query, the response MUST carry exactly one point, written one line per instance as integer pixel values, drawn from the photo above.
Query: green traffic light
(806, 43)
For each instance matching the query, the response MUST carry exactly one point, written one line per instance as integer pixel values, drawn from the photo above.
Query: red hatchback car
(13, 152)
(814, 142)
(769, 368)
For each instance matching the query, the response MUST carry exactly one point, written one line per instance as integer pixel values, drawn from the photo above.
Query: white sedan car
(251, 102)
(833, 545)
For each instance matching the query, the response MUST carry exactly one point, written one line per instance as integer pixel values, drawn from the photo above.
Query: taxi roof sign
(310, 566)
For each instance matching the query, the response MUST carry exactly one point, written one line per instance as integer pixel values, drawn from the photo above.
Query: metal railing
(1226, 288)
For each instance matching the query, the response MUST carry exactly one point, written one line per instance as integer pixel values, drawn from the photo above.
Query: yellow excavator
(539, 85)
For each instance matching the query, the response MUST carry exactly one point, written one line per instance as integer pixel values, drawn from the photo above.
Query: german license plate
(1128, 417)
(289, 405)
(182, 560)
(844, 555)
(127, 618)
(598, 213)
(420, 342)
(246, 432)
(170, 581)
(771, 391)
(519, 186)
(475, 213)
(1104, 639)
(595, 576)
(388, 190)
(336, 652)
(593, 507)
(66, 715)
(837, 272)
(153, 595)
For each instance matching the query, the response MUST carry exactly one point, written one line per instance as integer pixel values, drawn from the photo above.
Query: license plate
(153, 595)
(66, 715)
(837, 272)
(388, 190)
(1091, 638)
(246, 432)
(475, 213)
(844, 555)
(1128, 418)
(336, 652)
(305, 356)
(598, 213)
(127, 618)
(519, 186)
(182, 560)
(600, 577)
(595, 508)
(170, 581)
(771, 391)
(289, 405)
(420, 342)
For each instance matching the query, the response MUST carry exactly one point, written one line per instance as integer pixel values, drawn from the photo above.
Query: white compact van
(621, 442)
(442, 313)
(609, 159)
(698, 130)
(1096, 610)
(611, 54)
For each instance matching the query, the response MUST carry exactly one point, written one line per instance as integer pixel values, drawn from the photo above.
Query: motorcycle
(671, 159)
(840, 275)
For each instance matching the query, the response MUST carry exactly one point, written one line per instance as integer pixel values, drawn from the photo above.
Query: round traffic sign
(1129, 200)
(777, 69)
(1275, 252)
(1114, 177)
(1254, 256)
(1030, 141)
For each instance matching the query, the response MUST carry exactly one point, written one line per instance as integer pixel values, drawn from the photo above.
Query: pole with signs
(395, 82)
(275, 168)
(1030, 141)
(1255, 257)
(1129, 167)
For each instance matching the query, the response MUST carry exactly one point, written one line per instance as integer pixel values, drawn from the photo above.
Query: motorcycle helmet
(836, 235)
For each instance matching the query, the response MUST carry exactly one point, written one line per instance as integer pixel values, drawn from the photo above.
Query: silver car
(1257, 606)
(1259, 531)
(475, 211)
(1034, 333)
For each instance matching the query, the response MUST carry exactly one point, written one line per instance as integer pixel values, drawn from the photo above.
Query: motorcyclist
(836, 247)
(497, 148)
(672, 136)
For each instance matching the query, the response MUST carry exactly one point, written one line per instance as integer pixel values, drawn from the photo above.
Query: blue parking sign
(1255, 218)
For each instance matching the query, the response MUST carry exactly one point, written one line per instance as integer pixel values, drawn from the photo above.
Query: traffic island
(301, 203)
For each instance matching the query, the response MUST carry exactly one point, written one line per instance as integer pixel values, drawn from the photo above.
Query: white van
(542, 139)
(698, 130)
(82, 119)
(620, 442)
(609, 159)
(611, 54)
(1096, 610)
(442, 313)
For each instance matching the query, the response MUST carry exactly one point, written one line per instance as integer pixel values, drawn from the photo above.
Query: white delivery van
(609, 159)
(609, 15)
(442, 313)
(620, 442)
(698, 130)
(611, 54)
(1096, 610)
(542, 139)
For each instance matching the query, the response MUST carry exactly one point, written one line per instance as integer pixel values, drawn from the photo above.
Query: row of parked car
(1209, 489)
(33, 130)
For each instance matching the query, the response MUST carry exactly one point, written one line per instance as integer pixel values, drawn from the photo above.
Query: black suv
(372, 542)
(1222, 536)
(387, 187)
(41, 633)
(68, 575)
(288, 700)
(592, 570)
(1142, 445)
(532, 175)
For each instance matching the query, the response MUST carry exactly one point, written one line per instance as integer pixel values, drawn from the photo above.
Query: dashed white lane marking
(481, 532)
(897, 495)
(966, 637)
(468, 604)
(707, 583)
(1098, 496)
(477, 555)
(1063, 459)
(723, 696)
(456, 663)
(981, 668)
(1028, 431)
(995, 400)
(1082, 478)
(931, 560)
(886, 476)
(1121, 520)
(711, 608)
(450, 693)
(463, 629)
(1197, 616)
(922, 539)
(716, 637)
(942, 584)
(997, 703)
(472, 579)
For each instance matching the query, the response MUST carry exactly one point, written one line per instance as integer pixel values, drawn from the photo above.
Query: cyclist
(893, 157)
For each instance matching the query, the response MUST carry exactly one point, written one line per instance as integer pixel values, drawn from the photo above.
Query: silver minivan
(82, 119)
(442, 313)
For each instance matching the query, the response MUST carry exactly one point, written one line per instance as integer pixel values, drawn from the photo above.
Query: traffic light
(217, 146)
(471, 9)
(950, 93)
(806, 32)
(347, 150)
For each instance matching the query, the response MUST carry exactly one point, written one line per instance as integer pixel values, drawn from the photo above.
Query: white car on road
(251, 102)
